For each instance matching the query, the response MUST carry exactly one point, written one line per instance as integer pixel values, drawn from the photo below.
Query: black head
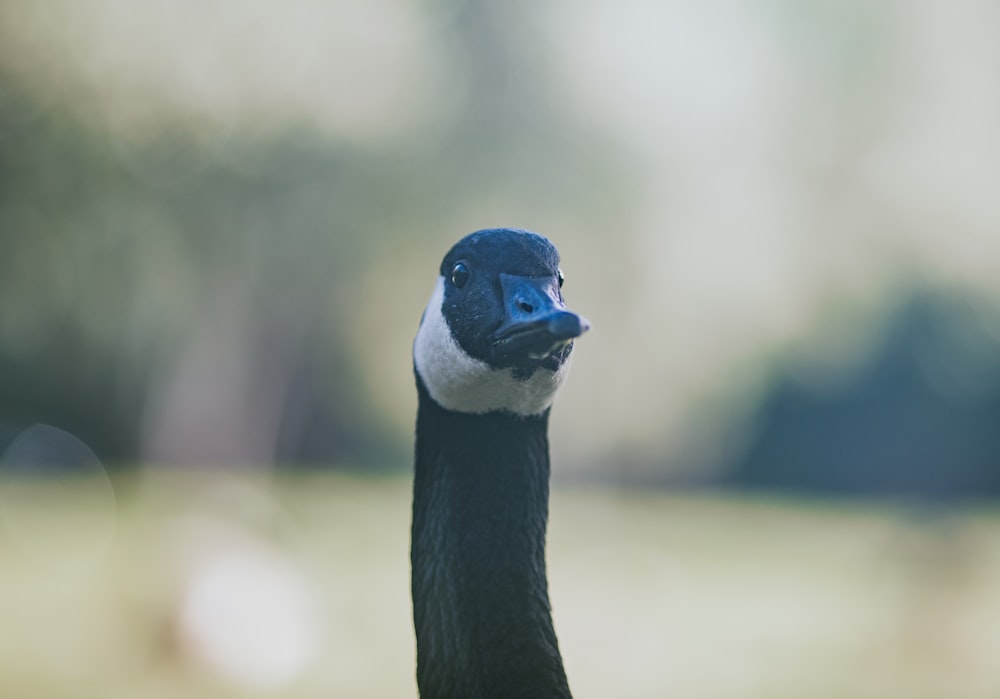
(498, 309)
(503, 300)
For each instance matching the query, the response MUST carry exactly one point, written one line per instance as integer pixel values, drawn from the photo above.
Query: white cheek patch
(464, 384)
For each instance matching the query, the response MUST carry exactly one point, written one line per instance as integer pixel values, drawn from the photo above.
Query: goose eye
(459, 275)
(561, 278)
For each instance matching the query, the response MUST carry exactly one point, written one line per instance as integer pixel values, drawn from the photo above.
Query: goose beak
(537, 325)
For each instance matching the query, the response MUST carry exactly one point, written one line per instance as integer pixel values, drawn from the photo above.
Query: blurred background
(778, 460)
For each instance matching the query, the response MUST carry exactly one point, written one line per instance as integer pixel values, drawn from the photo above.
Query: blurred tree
(922, 418)
(113, 261)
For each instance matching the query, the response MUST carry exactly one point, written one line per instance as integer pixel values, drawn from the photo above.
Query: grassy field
(137, 592)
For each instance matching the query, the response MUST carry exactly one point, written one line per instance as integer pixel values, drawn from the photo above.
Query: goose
(492, 349)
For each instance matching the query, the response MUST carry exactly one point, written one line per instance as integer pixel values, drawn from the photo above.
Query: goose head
(496, 335)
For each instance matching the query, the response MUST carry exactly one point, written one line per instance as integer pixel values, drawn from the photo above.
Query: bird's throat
(480, 598)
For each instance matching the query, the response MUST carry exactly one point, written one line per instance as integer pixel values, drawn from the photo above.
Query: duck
(491, 352)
